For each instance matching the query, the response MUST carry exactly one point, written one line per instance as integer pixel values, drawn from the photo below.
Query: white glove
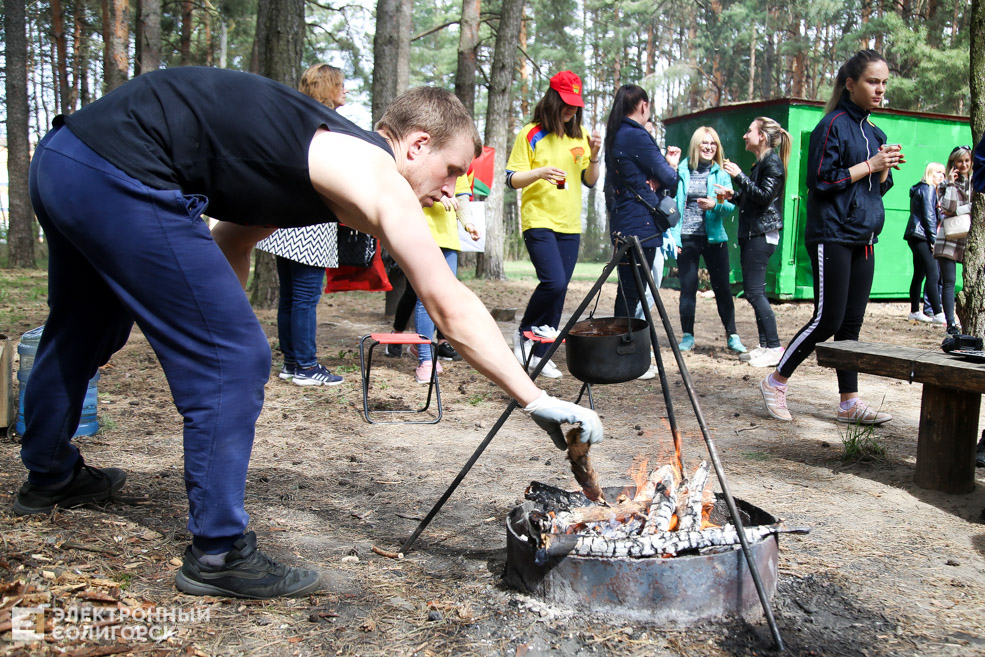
(550, 413)
(545, 331)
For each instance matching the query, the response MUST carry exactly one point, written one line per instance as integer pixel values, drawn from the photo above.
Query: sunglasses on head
(960, 148)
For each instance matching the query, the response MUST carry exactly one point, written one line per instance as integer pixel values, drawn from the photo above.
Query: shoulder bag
(957, 226)
(665, 215)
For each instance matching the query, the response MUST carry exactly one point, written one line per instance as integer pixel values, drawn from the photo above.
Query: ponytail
(778, 138)
(853, 68)
(628, 97)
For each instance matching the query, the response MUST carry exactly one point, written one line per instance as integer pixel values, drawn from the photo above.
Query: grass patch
(757, 456)
(859, 444)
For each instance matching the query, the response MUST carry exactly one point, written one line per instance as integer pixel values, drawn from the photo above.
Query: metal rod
(637, 253)
(716, 462)
(461, 475)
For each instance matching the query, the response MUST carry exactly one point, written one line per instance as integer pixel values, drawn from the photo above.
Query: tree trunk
(22, 228)
(278, 48)
(61, 49)
(116, 37)
(501, 81)
(468, 43)
(148, 39)
(405, 25)
(971, 301)
(386, 52)
(185, 44)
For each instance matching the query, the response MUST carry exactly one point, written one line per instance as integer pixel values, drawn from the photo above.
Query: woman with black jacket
(848, 172)
(759, 197)
(920, 234)
(634, 167)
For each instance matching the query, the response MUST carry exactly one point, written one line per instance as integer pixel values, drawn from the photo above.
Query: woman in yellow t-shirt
(550, 156)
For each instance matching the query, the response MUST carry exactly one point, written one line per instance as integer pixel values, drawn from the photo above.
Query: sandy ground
(888, 568)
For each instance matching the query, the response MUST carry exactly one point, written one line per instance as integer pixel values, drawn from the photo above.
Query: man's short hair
(437, 112)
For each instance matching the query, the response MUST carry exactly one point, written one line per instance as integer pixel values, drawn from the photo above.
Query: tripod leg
(712, 451)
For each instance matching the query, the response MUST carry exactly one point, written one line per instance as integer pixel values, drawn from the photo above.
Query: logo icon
(576, 88)
(27, 624)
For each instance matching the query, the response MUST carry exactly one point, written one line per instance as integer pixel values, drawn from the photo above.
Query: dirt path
(889, 569)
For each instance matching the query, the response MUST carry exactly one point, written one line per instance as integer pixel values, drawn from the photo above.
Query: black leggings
(693, 247)
(924, 267)
(755, 253)
(405, 310)
(948, 270)
(842, 282)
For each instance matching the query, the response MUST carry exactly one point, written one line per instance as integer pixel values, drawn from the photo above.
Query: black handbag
(355, 249)
(665, 215)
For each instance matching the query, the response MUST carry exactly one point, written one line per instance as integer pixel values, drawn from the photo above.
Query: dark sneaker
(287, 372)
(315, 376)
(394, 350)
(247, 573)
(89, 486)
(980, 453)
(447, 352)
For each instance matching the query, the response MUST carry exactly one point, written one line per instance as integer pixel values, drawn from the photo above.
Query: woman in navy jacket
(635, 167)
(920, 234)
(848, 172)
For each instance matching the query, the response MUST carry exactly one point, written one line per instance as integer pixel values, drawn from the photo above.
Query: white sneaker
(649, 374)
(768, 357)
(919, 317)
(749, 355)
(939, 318)
(550, 370)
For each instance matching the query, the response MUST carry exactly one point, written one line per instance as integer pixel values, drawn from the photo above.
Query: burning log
(658, 544)
(581, 466)
(662, 508)
(590, 514)
(690, 513)
(656, 478)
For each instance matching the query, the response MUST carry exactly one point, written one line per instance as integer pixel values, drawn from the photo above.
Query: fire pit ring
(673, 591)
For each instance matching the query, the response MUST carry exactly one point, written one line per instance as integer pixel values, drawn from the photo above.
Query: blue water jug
(27, 348)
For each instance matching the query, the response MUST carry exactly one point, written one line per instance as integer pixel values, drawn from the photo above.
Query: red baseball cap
(568, 85)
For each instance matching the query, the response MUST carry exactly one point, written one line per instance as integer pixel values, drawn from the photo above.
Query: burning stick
(690, 515)
(581, 466)
(662, 509)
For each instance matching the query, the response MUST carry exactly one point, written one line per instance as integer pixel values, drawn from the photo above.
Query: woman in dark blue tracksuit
(632, 160)
(848, 172)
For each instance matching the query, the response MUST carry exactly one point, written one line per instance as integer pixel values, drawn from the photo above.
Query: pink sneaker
(860, 413)
(776, 400)
(423, 372)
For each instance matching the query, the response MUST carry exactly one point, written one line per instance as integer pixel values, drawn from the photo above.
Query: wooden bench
(949, 408)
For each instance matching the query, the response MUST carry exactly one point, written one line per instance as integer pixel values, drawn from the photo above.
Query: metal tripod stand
(631, 249)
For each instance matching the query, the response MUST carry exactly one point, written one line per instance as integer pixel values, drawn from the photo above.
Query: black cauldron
(608, 349)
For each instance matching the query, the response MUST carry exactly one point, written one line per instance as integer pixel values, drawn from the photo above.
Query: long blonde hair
(777, 138)
(323, 83)
(693, 151)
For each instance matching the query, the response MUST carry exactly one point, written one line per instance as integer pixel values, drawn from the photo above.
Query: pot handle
(626, 344)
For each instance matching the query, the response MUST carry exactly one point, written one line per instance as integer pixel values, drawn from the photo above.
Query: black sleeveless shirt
(239, 139)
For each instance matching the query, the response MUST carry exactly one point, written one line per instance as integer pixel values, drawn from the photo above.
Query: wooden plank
(931, 366)
(947, 438)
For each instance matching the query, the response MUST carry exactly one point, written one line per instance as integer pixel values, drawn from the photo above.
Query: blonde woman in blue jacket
(700, 233)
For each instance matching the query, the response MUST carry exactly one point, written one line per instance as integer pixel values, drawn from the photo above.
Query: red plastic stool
(366, 362)
(530, 335)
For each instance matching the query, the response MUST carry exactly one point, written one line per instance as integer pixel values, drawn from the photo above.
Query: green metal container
(925, 138)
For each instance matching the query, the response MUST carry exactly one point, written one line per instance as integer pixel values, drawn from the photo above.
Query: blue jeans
(554, 256)
(423, 323)
(297, 311)
(119, 252)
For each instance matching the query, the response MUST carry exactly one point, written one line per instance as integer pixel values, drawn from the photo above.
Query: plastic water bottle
(27, 348)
